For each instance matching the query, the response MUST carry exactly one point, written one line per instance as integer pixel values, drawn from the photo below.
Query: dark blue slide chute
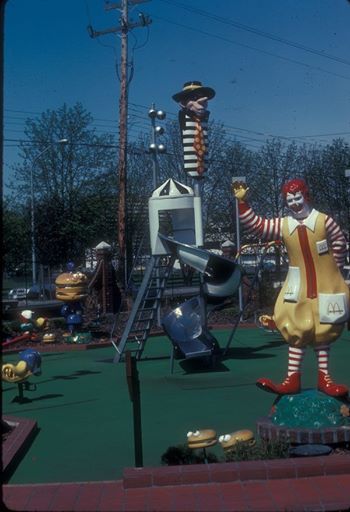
(189, 337)
(186, 324)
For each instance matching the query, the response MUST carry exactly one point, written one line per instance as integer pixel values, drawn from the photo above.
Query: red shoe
(290, 386)
(326, 385)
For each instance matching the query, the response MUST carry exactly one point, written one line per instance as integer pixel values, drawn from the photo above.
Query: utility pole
(124, 27)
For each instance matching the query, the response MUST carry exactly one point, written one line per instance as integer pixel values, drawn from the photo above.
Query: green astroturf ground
(84, 413)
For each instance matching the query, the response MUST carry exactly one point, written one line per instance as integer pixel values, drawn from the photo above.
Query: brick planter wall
(18, 440)
(237, 471)
(329, 435)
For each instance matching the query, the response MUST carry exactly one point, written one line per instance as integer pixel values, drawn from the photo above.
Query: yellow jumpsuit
(313, 304)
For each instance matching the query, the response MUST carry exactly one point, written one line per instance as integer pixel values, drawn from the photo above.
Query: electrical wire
(256, 31)
(265, 52)
(135, 112)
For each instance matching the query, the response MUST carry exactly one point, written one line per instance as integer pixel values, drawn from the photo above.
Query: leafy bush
(10, 328)
(181, 454)
(262, 450)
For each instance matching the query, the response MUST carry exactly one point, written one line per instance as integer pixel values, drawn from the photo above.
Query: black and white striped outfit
(194, 164)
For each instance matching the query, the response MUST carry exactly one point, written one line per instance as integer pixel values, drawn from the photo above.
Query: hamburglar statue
(193, 119)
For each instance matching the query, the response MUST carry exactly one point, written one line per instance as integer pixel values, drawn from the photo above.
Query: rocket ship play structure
(176, 232)
(175, 220)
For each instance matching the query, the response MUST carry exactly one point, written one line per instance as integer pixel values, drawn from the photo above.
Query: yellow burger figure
(313, 304)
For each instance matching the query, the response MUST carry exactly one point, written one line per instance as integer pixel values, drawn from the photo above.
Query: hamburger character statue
(72, 288)
(202, 439)
(193, 119)
(230, 442)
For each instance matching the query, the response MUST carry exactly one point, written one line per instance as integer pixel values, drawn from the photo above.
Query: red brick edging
(317, 482)
(266, 429)
(17, 441)
(236, 471)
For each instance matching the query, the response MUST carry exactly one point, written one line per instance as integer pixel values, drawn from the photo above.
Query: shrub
(262, 450)
(181, 454)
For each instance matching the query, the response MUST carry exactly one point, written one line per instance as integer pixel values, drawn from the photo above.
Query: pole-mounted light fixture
(155, 148)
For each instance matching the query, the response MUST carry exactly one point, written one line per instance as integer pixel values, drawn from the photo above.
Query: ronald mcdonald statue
(313, 304)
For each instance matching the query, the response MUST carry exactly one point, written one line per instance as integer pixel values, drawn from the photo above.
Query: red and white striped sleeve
(337, 240)
(265, 229)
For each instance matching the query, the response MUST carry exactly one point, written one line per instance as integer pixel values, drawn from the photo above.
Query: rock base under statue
(309, 417)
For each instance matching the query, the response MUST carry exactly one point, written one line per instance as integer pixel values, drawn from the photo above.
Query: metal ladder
(145, 307)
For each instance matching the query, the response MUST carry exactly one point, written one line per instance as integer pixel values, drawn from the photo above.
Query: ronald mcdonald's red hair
(294, 186)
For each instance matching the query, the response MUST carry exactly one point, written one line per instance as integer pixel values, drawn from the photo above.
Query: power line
(322, 135)
(247, 141)
(265, 52)
(90, 144)
(143, 128)
(22, 111)
(256, 31)
(170, 114)
(254, 132)
(143, 125)
(40, 113)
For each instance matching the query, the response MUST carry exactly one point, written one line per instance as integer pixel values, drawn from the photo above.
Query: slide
(221, 276)
(186, 324)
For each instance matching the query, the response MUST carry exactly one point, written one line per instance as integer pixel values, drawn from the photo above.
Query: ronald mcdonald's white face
(298, 205)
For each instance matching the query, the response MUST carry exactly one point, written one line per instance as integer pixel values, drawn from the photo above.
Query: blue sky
(279, 67)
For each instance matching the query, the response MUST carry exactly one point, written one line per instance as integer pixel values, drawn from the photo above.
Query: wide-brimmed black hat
(190, 88)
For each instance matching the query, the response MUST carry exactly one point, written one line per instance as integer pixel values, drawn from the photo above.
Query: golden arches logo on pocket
(334, 309)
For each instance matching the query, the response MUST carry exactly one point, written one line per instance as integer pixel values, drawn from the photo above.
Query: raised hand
(240, 190)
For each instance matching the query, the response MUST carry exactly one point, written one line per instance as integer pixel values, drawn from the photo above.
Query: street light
(238, 239)
(154, 147)
(61, 141)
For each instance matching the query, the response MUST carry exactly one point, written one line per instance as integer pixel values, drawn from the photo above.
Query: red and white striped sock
(295, 358)
(322, 354)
